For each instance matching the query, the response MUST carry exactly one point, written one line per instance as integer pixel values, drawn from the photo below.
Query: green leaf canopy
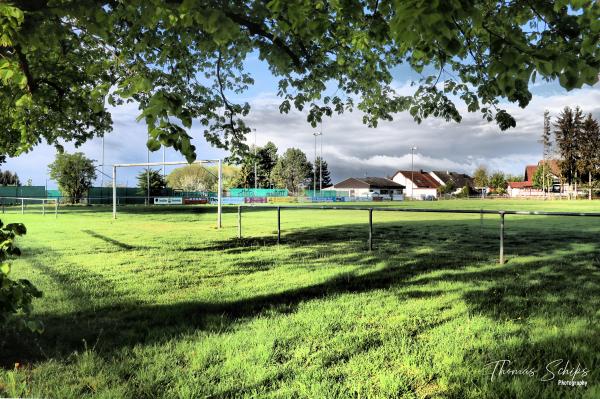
(63, 61)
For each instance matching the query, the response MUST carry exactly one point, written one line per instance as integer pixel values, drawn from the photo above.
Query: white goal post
(148, 164)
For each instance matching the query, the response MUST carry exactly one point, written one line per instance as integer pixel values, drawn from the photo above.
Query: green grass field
(159, 303)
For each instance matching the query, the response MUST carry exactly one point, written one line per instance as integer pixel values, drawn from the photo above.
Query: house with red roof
(526, 187)
(419, 184)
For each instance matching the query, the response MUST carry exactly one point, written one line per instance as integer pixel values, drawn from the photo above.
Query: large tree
(322, 172)
(567, 130)
(481, 177)
(193, 177)
(8, 178)
(259, 161)
(292, 170)
(156, 180)
(589, 161)
(497, 181)
(74, 174)
(62, 62)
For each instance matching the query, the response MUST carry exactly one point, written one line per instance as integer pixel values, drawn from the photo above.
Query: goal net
(166, 200)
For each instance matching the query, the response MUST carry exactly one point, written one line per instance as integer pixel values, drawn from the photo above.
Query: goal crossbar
(148, 164)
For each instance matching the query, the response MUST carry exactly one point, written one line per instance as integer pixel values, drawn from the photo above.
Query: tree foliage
(498, 182)
(480, 177)
(589, 162)
(157, 182)
(74, 174)
(264, 160)
(322, 172)
(8, 178)
(16, 296)
(182, 60)
(292, 170)
(193, 177)
(568, 133)
(543, 178)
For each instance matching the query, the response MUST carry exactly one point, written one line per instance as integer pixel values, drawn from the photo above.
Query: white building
(371, 187)
(418, 184)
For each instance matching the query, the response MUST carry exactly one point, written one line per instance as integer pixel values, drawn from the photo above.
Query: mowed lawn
(159, 303)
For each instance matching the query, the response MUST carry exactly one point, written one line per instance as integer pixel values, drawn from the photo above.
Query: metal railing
(370, 210)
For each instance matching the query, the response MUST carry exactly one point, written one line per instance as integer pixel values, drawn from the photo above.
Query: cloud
(350, 148)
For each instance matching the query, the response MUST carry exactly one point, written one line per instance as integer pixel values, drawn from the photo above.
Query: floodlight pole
(412, 171)
(148, 174)
(220, 194)
(321, 162)
(315, 166)
(114, 190)
(255, 167)
(102, 177)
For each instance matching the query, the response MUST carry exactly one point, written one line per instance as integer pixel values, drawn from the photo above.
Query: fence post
(278, 225)
(371, 229)
(22, 206)
(56, 208)
(44, 207)
(239, 221)
(501, 237)
(481, 221)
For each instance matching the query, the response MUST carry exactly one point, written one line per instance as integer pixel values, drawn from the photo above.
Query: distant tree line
(8, 178)
(577, 145)
(292, 170)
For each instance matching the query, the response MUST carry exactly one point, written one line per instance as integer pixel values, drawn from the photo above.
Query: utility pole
(148, 174)
(102, 176)
(315, 165)
(164, 161)
(321, 162)
(412, 171)
(255, 162)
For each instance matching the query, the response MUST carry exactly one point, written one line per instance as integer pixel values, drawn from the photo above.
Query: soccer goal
(116, 166)
(29, 205)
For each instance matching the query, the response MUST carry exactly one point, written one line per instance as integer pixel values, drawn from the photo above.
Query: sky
(350, 148)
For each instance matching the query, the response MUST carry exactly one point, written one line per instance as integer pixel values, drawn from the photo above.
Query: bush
(15, 295)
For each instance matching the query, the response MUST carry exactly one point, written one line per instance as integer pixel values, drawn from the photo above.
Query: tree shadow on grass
(560, 277)
(112, 241)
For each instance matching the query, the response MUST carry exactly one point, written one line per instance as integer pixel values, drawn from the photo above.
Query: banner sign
(195, 201)
(168, 201)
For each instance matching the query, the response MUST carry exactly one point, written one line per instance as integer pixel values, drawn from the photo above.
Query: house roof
(553, 164)
(529, 172)
(520, 184)
(368, 182)
(458, 179)
(419, 178)
(531, 169)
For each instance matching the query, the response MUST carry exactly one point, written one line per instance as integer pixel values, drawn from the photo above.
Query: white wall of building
(411, 190)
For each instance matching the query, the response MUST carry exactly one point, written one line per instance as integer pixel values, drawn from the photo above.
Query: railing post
(371, 229)
(481, 221)
(22, 206)
(278, 225)
(44, 207)
(501, 237)
(239, 221)
(56, 208)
